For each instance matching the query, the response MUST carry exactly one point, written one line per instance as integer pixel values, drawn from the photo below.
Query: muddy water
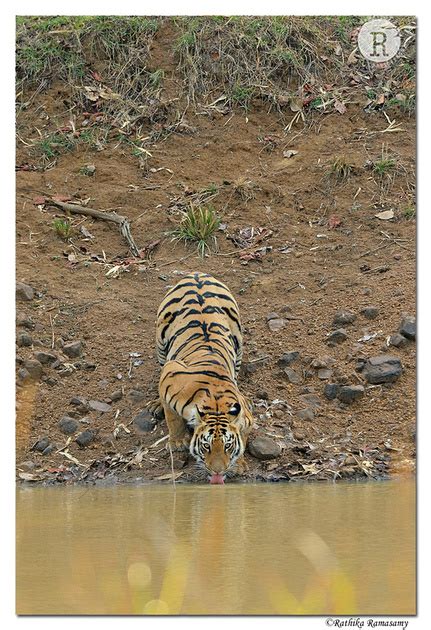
(347, 548)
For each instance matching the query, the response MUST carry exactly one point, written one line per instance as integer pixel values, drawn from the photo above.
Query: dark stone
(24, 292)
(73, 349)
(25, 321)
(272, 316)
(98, 405)
(324, 373)
(398, 340)
(349, 393)
(331, 390)
(49, 449)
(264, 448)
(24, 340)
(305, 414)
(85, 438)
(287, 358)
(360, 364)
(408, 327)
(144, 422)
(312, 400)
(41, 445)
(370, 312)
(68, 425)
(34, 368)
(337, 336)
(262, 394)
(293, 376)
(383, 368)
(117, 395)
(136, 396)
(46, 358)
(23, 374)
(79, 401)
(343, 317)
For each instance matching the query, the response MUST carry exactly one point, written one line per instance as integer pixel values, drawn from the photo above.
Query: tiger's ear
(235, 409)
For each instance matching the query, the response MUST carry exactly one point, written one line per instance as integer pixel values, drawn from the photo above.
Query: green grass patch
(199, 225)
(62, 228)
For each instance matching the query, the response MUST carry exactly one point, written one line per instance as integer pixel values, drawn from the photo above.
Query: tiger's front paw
(179, 444)
(241, 466)
(155, 407)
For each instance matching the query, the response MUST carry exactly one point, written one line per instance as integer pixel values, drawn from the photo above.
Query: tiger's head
(217, 442)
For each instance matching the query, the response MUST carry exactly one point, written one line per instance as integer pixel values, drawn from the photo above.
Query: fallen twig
(120, 220)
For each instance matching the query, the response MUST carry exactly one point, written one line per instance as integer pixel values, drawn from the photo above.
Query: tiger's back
(199, 345)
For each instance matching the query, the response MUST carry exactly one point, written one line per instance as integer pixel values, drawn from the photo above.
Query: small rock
(24, 340)
(337, 336)
(360, 364)
(89, 170)
(27, 465)
(275, 325)
(73, 349)
(103, 383)
(41, 445)
(293, 376)
(272, 316)
(85, 438)
(305, 414)
(331, 390)
(25, 321)
(287, 358)
(68, 425)
(144, 422)
(24, 292)
(312, 400)
(136, 396)
(23, 374)
(349, 393)
(408, 328)
(98, 405)
(264, 448)
(343, 317)
(117, 395)
(79, 401)
(397, 340)
(49, 449)
(34, 368)
(262, 394)
(370, 312)
(383, 368)
(46, 358)
(350, 460)
(324, 374)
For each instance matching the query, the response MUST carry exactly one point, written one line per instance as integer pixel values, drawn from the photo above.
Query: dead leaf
(340, 107)
(338, 49)
(61, 198)
(385, 216)
(85, 232)
(296, 104)
(352, 59)
(169, 476)
(39, 201)
(96, 76)
(289, 153)
(29, 477)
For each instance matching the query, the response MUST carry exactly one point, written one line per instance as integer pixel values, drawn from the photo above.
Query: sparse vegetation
(63, 228)
(199, 226)
(409, 212)
(340, 169)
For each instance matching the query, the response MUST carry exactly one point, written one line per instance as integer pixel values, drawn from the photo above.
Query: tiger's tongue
(216, 478)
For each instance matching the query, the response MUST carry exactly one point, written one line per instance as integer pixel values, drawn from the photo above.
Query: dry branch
(120, 220)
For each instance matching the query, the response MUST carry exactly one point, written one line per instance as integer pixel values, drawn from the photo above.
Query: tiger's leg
(155, 407)
(241, 465)
(178, 435)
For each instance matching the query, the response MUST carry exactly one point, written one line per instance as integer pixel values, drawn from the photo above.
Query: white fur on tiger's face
(199, 345)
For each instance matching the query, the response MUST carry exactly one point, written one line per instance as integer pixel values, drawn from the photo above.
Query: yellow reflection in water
(234, 549)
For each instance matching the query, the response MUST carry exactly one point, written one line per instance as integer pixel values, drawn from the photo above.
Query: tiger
(199, 347)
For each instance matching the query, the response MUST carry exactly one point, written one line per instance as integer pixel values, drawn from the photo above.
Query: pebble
(293, 376)
(408, 327)
(98, 405)
(24, 340)
(24, 292)
(73, 349)
(117, 395)
(136, 396)
(85, 438)
(305, 414)
(275, 325)
(398, 340)
(264, 448)
(337, 336)
(331, 390)
(349, 393)
(370, 312)
(34, 368)
(79, 401)
(287, 358)
(68, 425)
(383, 368)
(343, 317)
(41, 445)
(25, 321)
(272, 316)
(46, 358)
(49, 449)
(324, 374)
(144, 422)
(262, 394)
(312, 400)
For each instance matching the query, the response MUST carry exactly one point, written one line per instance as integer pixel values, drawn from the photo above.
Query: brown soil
(362, 261)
